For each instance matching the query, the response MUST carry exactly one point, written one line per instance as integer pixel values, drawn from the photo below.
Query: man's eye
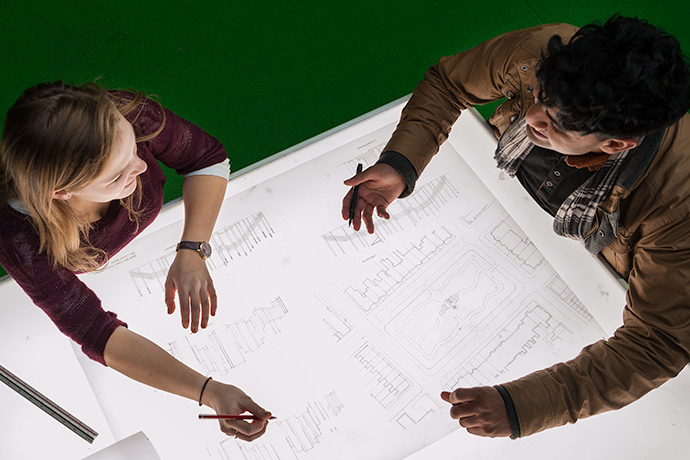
(118, 179)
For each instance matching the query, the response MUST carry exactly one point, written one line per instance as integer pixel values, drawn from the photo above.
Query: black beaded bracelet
(203, 388)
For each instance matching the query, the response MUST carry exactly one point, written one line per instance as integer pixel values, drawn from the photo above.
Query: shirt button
(510, 95)
(601, 233)
(513, 118)
(530, 89)
(524, 68)
(549, 184)
(557, 173)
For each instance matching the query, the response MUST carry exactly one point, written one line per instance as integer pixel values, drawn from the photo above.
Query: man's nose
(536, 117)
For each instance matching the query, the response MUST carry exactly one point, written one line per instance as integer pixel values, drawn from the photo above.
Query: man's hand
(479, 410)
(379, 185)
(189, 277)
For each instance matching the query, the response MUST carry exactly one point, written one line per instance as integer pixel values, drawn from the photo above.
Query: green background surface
(264, 76)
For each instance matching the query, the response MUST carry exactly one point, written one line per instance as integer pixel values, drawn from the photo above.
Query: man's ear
(62, 195)
(612, 146)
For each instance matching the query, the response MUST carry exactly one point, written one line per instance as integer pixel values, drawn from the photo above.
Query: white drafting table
(349, 338)
(32, 348)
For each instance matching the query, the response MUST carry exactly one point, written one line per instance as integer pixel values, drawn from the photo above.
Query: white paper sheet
(348, 338)
(33, 349)
(137, 446)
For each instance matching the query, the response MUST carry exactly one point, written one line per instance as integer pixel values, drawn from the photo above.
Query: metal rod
(48, 406)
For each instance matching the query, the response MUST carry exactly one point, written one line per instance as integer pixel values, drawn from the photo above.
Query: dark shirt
(548, 179)
(70, 304)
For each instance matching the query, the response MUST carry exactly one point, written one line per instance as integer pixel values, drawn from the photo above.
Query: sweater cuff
(400, 163)
(95, 349)
(512, 413)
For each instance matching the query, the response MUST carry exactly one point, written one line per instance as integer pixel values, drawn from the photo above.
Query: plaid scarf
(577, 215)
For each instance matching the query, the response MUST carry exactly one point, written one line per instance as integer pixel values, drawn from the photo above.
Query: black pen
(355, 191)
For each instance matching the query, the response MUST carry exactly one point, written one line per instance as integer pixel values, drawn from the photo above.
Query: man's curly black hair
(625, 78)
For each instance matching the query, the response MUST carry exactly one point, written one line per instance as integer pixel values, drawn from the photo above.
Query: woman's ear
(62, 195)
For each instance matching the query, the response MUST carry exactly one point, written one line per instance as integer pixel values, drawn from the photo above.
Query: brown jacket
(651, 251)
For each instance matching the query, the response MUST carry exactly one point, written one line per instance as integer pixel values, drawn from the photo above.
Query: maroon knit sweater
(73, 307)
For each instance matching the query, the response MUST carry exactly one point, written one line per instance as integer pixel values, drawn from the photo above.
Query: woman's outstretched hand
(189, 278)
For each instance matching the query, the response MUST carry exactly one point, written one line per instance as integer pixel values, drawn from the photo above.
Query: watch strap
(203, 248)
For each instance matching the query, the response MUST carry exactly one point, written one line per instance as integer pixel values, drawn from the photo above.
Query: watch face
(205, 249)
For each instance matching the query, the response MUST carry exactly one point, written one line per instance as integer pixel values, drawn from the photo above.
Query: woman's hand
(189, 278)
(230, 400)
(142, 360)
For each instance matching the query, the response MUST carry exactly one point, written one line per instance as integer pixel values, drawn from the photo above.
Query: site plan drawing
(348, 338)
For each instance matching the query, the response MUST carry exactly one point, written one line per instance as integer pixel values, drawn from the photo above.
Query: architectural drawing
(364, 331)
(384, 381)
(229, 243)
(240, 239)
(219, 350)
(304, 431)
(427, 201)
(421, 407)
(295, 435)
(516, 246)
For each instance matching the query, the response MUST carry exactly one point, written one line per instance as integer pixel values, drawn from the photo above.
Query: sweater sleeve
(71, 305)
(180, 144)
(474, 77)
(651, 347)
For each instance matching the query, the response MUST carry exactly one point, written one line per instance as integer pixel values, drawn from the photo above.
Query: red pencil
(232, 417)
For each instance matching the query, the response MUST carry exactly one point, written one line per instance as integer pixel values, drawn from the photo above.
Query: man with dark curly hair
(595, 127)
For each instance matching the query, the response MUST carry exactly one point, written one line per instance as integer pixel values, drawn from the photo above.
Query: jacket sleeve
(474, 77)
(651, 347)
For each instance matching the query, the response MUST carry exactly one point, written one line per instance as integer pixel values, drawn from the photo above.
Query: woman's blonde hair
(60, 137)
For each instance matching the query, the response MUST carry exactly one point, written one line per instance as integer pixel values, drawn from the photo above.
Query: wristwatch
(202, 247)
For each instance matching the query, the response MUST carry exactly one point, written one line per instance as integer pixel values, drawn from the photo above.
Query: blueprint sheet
(348, 338)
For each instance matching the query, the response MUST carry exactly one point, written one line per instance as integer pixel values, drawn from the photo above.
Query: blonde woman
(79, 179)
